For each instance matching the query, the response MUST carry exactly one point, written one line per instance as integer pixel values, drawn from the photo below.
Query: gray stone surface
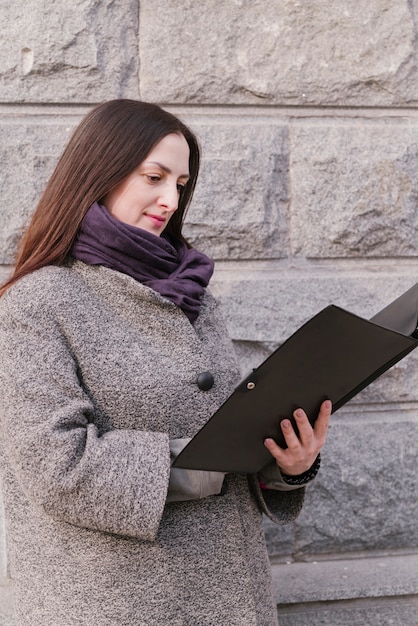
(6, 608)
(370, 590)
(82, 51)
(365, 497)
(29, 150)
(286, 52)
(4, 273)
(381, 612)
(369, 576)
(241, 200)
(266, 304)
(3, 559)
(354, 189)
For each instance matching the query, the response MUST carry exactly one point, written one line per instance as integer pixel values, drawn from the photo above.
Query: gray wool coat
(98, 374)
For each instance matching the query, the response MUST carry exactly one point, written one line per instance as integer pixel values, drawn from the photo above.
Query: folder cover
(333, 356)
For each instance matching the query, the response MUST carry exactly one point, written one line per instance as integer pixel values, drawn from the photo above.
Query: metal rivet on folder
(251, 385)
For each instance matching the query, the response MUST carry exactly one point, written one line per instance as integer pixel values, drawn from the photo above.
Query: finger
(306, 432)
(272, 447)
(291, 438)
(293, 459)
(276, 451)
(322, 423)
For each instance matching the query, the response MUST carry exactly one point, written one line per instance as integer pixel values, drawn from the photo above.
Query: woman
(106, 327)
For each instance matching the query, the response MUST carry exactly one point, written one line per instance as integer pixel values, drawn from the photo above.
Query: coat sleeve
(281, 507)
(113, 482)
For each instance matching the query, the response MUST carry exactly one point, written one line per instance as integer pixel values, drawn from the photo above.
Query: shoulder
(41, 289)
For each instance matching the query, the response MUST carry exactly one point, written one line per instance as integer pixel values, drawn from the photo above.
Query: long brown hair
(110, 142)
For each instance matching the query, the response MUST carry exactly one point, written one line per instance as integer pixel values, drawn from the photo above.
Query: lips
(157, 220)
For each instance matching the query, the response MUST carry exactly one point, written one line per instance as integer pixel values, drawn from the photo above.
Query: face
(148, 197)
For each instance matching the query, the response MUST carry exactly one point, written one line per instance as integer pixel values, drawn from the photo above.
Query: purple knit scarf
(177, 272)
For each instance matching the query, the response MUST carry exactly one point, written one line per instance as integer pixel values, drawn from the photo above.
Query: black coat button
(205, 381)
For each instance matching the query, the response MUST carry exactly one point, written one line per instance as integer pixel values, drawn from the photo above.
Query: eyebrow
(167, 169)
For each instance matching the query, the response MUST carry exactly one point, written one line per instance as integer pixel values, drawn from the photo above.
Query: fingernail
(327, 404)
(298, 413)
(285, 423)
(268, 442)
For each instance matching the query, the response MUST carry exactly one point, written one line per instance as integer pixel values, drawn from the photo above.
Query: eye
(153, 178)
(180, 187)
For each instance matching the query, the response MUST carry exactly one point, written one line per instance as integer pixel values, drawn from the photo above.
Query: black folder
(333, 356)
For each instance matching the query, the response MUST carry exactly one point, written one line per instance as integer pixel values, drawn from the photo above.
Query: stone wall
(307, 115)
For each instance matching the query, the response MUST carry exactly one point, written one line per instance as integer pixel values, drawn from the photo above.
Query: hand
(301, 450)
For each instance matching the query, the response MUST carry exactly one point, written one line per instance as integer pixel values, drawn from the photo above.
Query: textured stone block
(267, 305)
(83, 51)
(29, 151)
(372, 590)
(3, 557)
(400, 611)
(6, 604)
(280, 51)
(354, 189)
(4, 273)
(366, 493)
(240, 206)
(367, 576)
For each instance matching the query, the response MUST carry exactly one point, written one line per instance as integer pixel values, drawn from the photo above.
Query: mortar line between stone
(293, 111)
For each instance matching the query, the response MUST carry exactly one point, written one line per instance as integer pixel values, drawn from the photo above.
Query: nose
(169, 197)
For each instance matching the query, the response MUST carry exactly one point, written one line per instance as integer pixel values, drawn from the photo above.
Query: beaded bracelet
(301, 479)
